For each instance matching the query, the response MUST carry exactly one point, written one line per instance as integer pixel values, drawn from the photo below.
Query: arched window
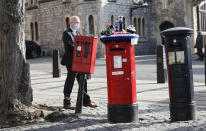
(67, 22)
(139, 27)
(124, 23)
(32, 31)
(143, 27)
(135, 24)
(91, 25)
(112, 20)
(164, 4)
(37, 31)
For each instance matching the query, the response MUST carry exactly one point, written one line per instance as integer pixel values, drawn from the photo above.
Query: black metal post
(80, 95)
(160, 65)
(56, 64)
(204, 44)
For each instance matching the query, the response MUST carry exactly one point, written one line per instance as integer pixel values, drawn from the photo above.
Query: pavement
(153, 99)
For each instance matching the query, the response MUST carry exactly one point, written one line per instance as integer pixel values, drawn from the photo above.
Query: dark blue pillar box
(180, 76)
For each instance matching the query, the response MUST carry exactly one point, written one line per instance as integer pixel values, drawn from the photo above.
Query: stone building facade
(160, 15)
(47, 19)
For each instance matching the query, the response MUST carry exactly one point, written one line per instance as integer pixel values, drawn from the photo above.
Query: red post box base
(122, 113)
(182, 111)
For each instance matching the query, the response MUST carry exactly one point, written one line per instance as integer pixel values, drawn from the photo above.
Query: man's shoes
(90, 105)
(69, 107)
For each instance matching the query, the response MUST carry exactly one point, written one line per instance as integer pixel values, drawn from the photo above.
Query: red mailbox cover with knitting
(121, 76)
(84, 56)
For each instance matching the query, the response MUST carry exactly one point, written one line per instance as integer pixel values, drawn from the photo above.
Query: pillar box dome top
(177, 31)
(118, 36)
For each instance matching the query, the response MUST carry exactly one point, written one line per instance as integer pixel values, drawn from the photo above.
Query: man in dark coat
(69, 41)
(199, 45)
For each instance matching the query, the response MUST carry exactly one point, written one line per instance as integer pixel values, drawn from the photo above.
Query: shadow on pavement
(101, 65)
(147, 83)
(40, 60)
(48, 82)
(156, 89)
(36, 77)
(198, 71)
(145, 57)
(100, 88)
(203, 85)
(143, 62)
(50, 88)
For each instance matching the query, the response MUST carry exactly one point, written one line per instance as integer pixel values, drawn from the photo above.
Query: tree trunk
(15, 85)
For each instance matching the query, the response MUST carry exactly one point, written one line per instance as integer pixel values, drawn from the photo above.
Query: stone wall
(51, 19)
(178, 13)
(87, 9)
(173, 12)
(51, 16)
(146, 44)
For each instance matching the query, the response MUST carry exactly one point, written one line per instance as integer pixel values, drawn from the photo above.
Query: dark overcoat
(199, 42)
(69, 41)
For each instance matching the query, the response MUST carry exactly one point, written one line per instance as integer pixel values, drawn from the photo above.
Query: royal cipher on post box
(121, 77)
(84, 56)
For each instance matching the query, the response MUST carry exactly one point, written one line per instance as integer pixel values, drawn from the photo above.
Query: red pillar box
(121, 77)
(84, 56)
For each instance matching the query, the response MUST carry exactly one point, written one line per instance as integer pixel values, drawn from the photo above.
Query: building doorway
(166, 25)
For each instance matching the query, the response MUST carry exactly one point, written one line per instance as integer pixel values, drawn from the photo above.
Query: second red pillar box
(84, 54)
(121, 77)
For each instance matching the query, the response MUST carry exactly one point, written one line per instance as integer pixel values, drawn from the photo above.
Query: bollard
(204, 45)
(179, 62)
(160, 65)
(56, 64)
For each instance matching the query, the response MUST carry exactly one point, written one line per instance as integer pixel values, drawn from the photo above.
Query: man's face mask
(76, 26)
